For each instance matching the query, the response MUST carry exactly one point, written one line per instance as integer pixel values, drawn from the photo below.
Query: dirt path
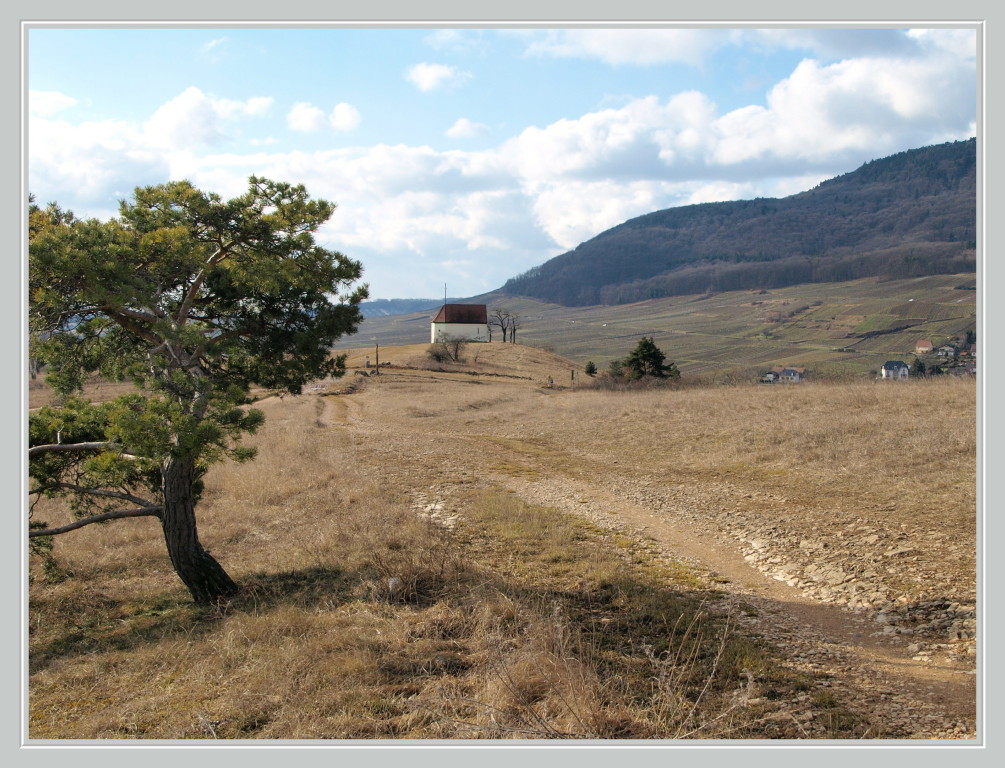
(876, 672)
(909, 697)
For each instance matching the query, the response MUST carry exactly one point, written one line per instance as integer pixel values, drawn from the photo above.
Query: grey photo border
(21, 15)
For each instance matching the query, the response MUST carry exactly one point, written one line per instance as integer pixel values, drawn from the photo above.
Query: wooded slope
(907, 215)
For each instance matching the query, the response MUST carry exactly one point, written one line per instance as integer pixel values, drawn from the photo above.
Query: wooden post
(377, 346)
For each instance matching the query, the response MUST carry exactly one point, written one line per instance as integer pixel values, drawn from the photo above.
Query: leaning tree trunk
(204, 577)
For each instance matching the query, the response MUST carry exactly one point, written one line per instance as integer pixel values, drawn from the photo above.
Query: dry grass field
(469, 553)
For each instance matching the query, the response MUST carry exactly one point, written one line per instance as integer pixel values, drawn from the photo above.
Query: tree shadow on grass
(85, 621)
(310, 588)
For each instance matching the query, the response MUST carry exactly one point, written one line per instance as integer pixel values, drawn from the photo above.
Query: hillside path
(433, 437)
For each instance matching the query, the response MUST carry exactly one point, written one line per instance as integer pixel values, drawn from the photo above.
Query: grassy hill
(836, 329)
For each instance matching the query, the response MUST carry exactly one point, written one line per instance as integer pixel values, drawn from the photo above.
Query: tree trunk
(204, 577)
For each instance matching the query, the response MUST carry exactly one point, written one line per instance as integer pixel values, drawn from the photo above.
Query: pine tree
(648, 360)
(194, 300)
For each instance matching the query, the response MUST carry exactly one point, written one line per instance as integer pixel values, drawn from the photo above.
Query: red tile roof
(476, 314)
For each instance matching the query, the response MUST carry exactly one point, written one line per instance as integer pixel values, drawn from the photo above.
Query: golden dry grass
(889, 454)
(359, 619)
(319, 644)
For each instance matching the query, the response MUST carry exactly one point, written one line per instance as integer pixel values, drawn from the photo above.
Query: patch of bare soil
(886, 611)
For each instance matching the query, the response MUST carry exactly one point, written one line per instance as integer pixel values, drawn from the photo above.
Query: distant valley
(839, 278)
(834, 329)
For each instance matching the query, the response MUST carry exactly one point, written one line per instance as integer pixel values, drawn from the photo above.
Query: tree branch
(114, 515)
(125, 321)
(38, 450)
(135, 314)
(92, 492)
(190, 295)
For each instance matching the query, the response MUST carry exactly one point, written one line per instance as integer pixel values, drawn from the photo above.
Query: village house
(460, 321)
(947, 351)
(895, 369)
(923, 347)
(789, 374)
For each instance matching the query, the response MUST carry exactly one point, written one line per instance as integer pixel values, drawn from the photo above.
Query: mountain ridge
(906, 215)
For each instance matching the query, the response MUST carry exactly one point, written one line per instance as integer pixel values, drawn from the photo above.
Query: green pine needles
(194, 300)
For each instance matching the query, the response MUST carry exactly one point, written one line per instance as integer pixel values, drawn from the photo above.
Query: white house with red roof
(460, 321)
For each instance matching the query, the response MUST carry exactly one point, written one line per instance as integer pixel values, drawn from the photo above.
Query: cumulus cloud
(47, 103)
(960, 43)
(93, 164)
(193, 119)
(429, 77)
(307, 118)
(856, 105)
(573, 211)
(255, 106)
(466, 129)
(344, 117)
(827, 115)
(189, 119)
(546, 188)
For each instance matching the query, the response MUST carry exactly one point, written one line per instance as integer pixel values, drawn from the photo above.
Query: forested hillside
(910, 214)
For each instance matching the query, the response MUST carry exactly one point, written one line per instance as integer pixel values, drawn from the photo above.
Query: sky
(461, 157)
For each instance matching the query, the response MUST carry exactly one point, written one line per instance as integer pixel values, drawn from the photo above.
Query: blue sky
(466, 156)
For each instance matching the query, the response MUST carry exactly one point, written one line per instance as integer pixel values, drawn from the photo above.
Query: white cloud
(861, 105)
(230, 109)
(638, 140)
(344, 117)
(573, 211)
(545, 189)
(48, 103)
(258, 105)
(89, 163)
(194, 119)
(306, 118)
(960, 43)
(429, 77)
(466, 129)
(189, 119)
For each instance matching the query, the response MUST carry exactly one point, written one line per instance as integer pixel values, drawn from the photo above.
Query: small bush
(438, 352)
